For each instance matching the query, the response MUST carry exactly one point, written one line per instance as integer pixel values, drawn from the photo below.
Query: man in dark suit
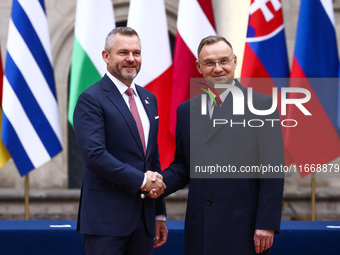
(116, 124)
(230, 212)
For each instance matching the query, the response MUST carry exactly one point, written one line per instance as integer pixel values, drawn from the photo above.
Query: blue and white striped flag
(30, 122)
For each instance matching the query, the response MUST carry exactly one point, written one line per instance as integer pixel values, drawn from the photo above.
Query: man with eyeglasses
(234, 212)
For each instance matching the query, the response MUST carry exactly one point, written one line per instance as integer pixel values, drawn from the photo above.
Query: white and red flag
(148, 18)
(194, 22)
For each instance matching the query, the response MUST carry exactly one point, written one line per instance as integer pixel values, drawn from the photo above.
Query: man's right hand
(154, 185)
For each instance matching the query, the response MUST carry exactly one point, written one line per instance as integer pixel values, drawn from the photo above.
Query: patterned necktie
(135, 114)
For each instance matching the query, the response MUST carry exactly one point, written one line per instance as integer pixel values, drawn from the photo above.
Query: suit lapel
(226, 112)
(117, 100)
(197, 119)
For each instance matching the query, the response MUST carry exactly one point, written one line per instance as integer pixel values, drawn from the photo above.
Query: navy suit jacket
(223, 213)
(114, 161)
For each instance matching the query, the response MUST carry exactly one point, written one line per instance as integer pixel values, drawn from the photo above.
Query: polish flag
(148, 18)
(194, 22)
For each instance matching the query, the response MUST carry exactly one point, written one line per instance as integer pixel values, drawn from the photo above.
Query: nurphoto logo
(239, 105)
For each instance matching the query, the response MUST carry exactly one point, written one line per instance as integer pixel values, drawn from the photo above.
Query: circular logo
(264, 17)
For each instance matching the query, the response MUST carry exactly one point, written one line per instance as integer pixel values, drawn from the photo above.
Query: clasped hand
(154, 185)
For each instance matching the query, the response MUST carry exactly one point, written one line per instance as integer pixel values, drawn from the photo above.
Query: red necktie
(135, 114)
(217, 107)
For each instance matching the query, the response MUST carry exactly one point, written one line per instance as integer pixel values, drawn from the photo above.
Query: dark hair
(128, 31)
(211, 40)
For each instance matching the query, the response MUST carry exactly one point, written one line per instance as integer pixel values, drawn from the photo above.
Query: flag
(265, 53)
(148, 18)
(233, 26)
(315, 68)
(94, 21)
(339, 102)
(4, 155)
(30, 120)
(195, 20)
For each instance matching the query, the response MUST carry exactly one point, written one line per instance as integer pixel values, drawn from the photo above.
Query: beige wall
(61, 16)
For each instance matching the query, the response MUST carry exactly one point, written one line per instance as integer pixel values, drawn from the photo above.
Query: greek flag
(30, 121)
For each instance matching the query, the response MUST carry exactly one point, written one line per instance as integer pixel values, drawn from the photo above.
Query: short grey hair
(211, 40)
(128, 31)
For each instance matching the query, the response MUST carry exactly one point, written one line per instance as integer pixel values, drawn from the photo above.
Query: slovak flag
(265, 54)
(315, 68)
(265, 63)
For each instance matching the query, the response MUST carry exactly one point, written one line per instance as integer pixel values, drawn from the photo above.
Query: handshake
(154, 186)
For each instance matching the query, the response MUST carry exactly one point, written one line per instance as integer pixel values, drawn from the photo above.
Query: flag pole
(27, 197)
(313, 187)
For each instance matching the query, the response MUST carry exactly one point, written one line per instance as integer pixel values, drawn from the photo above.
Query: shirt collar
(120, 85)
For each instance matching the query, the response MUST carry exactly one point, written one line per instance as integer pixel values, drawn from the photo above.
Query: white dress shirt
(142, 113)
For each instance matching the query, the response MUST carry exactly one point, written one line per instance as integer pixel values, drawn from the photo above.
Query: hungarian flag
(4, 155)
(195, 21)
(315, 68)
(148, 18)
(94, 20)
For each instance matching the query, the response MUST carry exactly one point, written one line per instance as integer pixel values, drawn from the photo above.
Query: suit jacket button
(209, 202)
(209, 144)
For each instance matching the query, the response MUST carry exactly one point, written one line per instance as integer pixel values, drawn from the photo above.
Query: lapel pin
(147, 100)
